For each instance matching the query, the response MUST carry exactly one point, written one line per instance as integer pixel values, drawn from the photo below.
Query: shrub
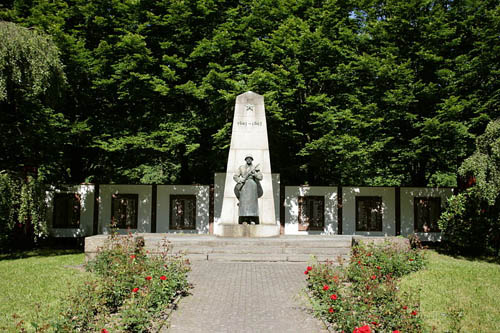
(471, 222)
(22, 211)
(470, 226)
(364, 296)
(130, 289)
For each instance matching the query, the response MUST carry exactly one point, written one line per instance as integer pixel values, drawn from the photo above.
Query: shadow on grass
(42, 252)
(492, 259)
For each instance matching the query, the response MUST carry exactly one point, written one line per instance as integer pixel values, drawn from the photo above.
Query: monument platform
(335, 248)
(247, 230)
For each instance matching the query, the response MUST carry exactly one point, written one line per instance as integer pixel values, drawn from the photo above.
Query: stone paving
(245, 297)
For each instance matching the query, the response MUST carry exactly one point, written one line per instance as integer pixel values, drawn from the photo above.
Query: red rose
(373, 277)
(362, 329)
(333, 296)
(135, 290)
(374, 323)
(306, 272)
(405, 307)
(325, 287)
(309, 268)
(359, 262)
(104, 330)
(369, 254)
(132, 256)
(163, 277)
(148, 278)
(411, 259)
(331, 310)
(414, 313)
(396, 331)
(378, 267)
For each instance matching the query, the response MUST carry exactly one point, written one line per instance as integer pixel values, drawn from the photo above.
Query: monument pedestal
(247, 230)
(248, 138)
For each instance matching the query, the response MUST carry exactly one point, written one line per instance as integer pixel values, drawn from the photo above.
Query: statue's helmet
(248, 156)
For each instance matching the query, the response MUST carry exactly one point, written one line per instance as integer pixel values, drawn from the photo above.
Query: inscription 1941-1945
(249, 123)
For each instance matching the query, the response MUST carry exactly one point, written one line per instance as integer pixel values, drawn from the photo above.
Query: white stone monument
(249, 137)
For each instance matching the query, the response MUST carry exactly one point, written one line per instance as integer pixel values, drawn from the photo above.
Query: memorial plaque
(182, 212)
(311, 213)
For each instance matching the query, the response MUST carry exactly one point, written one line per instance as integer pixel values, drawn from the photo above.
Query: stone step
(261, 249)
(205, 247)
(227, 257)
(253, 243)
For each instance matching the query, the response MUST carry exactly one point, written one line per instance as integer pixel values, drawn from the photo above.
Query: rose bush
(128, 290)
(363, 296)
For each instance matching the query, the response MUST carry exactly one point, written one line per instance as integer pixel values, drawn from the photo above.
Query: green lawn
(33, 283)
(460, 286)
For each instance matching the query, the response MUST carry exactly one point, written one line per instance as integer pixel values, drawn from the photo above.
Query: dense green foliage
(22, 211)
(357, 92)
(31, 79)
(471, 222)
(364, 293)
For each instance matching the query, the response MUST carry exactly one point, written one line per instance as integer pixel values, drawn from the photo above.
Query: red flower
(369, 254)
(331, 310)
(396, 331)
(333, 296)
(132, 256)
(378, 267)
(163, 277)
(135, 290)
(362, 329)
(104, 330)
(405, 307)
(373, 277)
(414, 313)
(309, 268)
(306, 272)
(148, 278)
(359, 262)
(411, 259)
(374, 323)
(326, 287)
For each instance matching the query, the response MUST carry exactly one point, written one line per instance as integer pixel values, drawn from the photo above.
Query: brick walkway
(245, 297)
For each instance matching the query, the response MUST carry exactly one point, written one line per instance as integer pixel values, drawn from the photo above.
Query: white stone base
(247, 230)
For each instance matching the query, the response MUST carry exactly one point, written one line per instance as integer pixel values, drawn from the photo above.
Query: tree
(31, 82)
(357, 92)
(471, 222)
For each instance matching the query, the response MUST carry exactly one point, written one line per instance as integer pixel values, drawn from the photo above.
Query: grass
(458, 294)
(33, 283)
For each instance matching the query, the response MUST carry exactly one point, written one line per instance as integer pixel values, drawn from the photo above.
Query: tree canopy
(31, 78)
(357, 92)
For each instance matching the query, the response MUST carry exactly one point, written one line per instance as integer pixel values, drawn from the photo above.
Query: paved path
(245, 297)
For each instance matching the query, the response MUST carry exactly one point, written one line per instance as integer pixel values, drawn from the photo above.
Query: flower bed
(363, 296)
(129, 292)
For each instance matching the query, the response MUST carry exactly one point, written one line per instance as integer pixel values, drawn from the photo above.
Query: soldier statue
(248, 189)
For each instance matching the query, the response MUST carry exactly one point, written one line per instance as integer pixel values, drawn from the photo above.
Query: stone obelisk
(249, 137)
